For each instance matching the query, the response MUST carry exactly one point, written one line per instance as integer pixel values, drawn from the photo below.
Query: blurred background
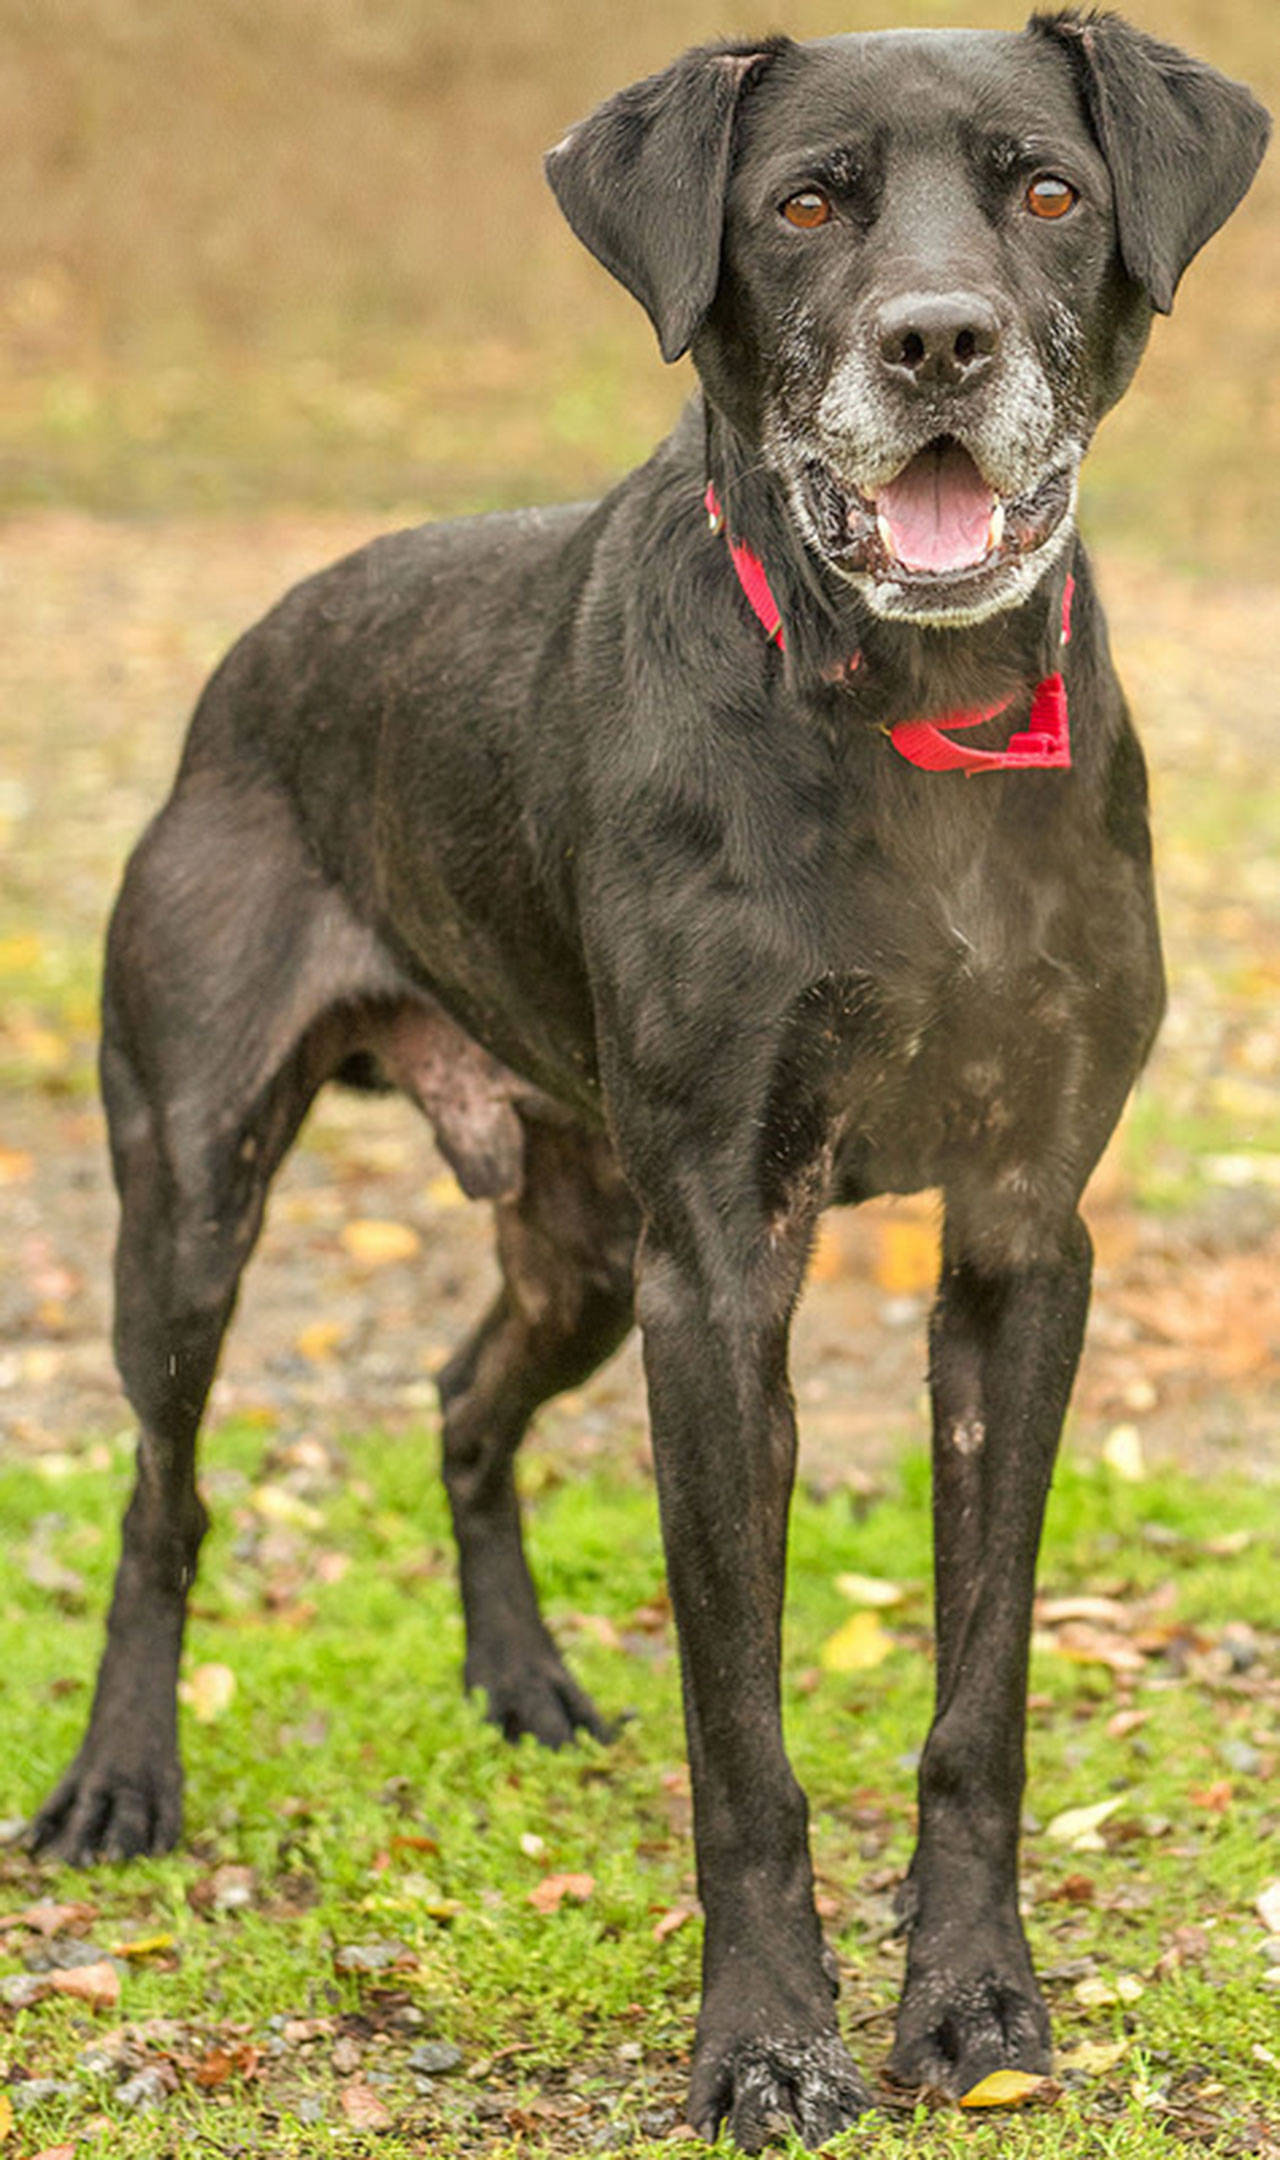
(277, 273)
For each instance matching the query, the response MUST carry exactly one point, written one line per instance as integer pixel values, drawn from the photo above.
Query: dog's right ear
(642, 182)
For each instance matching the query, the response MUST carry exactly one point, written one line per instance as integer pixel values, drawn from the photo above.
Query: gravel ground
(106, 631)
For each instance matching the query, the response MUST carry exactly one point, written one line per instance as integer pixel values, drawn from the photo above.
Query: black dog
(751, 841)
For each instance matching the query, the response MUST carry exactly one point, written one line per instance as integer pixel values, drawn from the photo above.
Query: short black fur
(526, 817)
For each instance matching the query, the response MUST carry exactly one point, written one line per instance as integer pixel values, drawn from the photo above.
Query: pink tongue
(938, 510)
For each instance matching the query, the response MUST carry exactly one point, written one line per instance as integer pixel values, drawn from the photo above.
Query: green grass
(347, 1732)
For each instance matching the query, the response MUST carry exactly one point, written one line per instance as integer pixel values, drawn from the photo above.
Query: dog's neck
(901, 669)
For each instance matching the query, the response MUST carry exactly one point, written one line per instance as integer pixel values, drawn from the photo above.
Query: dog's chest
(965, 1025)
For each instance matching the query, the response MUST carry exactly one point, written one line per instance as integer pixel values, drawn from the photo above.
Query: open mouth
(938, 523)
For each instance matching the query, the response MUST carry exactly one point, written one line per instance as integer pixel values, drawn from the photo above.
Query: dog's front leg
(1004, 1346)
(716, 1288)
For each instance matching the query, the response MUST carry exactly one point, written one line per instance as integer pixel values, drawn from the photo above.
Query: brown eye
(1050, 197)
(807, 209)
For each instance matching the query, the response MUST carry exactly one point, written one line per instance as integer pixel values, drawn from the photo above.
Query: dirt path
(107, 630)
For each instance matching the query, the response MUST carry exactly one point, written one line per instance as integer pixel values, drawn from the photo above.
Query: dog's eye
(807, 209)
(1049, 197)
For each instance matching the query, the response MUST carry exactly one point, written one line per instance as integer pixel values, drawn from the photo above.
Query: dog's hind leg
(1004, 1345)
(566, 1246)
(217, 1029)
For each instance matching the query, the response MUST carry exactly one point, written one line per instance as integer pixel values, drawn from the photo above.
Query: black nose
(932, 338)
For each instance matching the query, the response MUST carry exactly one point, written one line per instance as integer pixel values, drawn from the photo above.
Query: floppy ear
(1182, 142)
(642, 181)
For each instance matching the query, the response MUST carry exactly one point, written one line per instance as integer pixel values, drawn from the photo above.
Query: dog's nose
(932, 338)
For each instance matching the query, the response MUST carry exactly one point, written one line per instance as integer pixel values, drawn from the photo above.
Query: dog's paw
(954, 2029)
(540, 1697)
(106, 1810)
(766, 2090)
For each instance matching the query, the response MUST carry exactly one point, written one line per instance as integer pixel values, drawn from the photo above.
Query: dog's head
(915, 269)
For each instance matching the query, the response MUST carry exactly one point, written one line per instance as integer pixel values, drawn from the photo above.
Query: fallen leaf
(363, 2109)
(1094, 2056)
(208, 1691)
(908, 1257)
(445, 1192)
(218, 2065)
(672, 1919)
(16, 1165)
(1122, 1454)
(318, 1341)
(1267, 1907)
(1094, 1993)
(63, 2152)
(1004, 2088)
(858, 1645)
(48, 1918)
(869, 1590)
(1078, 1827)
(1216, 1798)
(548, 1895)
(1129, 1988)
(6, 2116)
(98, 1985)
(276, 1504)
(1125, 1722)
(142, 1946)
(376, 1244)
(1107, 1612)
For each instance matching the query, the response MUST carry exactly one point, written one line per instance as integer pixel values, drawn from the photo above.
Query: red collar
(1046, 740)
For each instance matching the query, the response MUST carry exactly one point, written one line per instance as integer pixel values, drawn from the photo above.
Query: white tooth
(885, 531)
(995, 533)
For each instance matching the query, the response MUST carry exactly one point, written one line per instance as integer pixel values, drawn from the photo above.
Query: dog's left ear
(1182, 141)
(642, 182)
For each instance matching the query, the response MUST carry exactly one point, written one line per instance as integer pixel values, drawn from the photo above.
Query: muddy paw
(539, 1697)
(107, 1810)
(764, 2090)
(953, 2031)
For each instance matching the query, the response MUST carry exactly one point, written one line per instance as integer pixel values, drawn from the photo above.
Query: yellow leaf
(1004, 2088)
(142, 1946)
(15, 1165)
(378, 1244)
(445, 1192)
(319, 1340)
(1079, 1826)
(1094, 2056)
(20, 952)
(208, 1691)
(869, 1590)
(907, 1258)
(1094, 1993)
(6, 2116)
(275, 1503)
(858, 1646)
(1122, 1454)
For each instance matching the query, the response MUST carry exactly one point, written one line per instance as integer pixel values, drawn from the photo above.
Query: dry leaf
(48, 1918)
(16, 1165)
(1004, 2088)
(363, 2109)
(6, 2116)
(548, 1895)
(1129, 1988)
(1216, 1798)
(1267, 1907)
(674, 1918)
(318, 1342)
(276, 1504)
(1078, 1827)
(376, 1244)
(208, 1691)
(1094, 2056)
(908, 1257)
(62, 2152)
(1095, 1993)
(869, 1590)
(1122, 1454)
(98, 1985)
(858, 1645)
